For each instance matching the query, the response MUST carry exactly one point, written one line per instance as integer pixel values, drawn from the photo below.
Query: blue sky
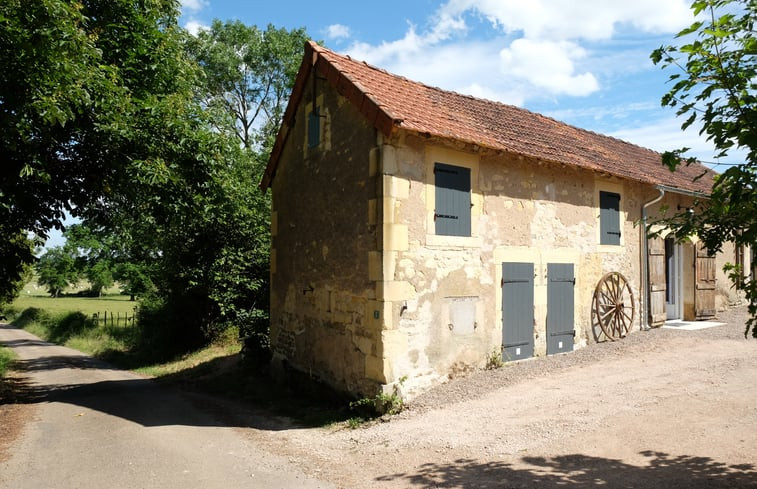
(584, 62)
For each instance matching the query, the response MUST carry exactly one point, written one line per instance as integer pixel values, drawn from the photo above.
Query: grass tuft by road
(6, 358)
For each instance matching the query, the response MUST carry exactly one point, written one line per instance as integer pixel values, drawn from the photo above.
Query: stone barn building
(417, 232)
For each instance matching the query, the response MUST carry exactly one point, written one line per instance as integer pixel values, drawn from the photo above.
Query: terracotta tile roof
(392, 102)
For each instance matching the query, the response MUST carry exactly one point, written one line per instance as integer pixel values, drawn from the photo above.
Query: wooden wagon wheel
(613, 307)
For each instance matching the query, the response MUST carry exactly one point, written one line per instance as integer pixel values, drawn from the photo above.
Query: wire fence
(118, 319)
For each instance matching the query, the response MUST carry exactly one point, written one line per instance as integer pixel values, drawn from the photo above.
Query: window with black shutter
(452, 214)
(609, 218)
(314, 128)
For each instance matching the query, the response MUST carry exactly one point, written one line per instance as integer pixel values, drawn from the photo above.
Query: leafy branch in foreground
(714, 85)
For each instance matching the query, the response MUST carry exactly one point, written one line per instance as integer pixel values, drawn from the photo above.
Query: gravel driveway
(665, 408)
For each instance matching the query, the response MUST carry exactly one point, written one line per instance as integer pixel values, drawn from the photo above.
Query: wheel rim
(613, 306)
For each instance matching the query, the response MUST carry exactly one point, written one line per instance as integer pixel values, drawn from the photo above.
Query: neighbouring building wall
(725, 294)
(323, 235)
(446, 302)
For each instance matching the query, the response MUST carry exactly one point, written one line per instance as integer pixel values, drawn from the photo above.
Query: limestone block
(395, 291)
(375, 266)
(389, 214)
(374, 368)
(373, 162)
(395, 237)
(396, 187)
(389, 164)
(372, 213)
(364, 344)
(388, 265)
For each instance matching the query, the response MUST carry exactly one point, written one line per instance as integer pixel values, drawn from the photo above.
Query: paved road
(98, 427)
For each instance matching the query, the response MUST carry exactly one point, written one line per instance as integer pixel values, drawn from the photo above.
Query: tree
(93, 95)
(17, 252)
(249, 75)
(56, 270)
(715, 85)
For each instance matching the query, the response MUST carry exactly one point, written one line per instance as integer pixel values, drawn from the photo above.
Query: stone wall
(323, 307)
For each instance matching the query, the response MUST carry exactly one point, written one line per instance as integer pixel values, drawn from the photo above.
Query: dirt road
(667, 408)
(96, 427)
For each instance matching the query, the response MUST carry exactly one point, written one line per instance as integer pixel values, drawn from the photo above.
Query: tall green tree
(714, 84)
(56, 270)
(248, 76)
(94, 95)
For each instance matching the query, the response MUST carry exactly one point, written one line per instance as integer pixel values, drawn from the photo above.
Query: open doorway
(673, 288)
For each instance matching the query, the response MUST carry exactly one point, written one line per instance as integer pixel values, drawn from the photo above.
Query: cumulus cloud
(193, 5)
(194, 27)
(540, 48)
(337, 31)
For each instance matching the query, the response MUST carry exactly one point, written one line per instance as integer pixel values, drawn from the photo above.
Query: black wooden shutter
(453, 186)
(314, 128)
(609, 218)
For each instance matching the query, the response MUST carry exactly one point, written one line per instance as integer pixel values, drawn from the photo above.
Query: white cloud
(193, 5)
(570, 19)
(194, 27)
(337, 31)
(548, 65)
(542, 48)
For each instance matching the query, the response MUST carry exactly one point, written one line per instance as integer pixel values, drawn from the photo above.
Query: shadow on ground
(582, 471)
(227, 391)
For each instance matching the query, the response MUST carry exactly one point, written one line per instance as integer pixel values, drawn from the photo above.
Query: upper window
(609, 218)
(314, 128)
(452, 214)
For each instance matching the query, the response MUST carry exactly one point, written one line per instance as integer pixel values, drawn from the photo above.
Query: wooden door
(561, 283)
(517, 311)
(704, 299)
(657, 283)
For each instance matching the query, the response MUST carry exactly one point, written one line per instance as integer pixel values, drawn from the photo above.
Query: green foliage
(16, 256)
(91, 94)
(715, 85)
(56, 270)
(111, 112)
(494, 360)
(380, 404)
(248, 75)
(6, 358)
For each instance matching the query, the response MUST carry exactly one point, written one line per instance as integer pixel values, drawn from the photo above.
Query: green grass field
(116, 304)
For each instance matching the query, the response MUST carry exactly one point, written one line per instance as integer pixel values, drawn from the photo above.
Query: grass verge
(6, 358)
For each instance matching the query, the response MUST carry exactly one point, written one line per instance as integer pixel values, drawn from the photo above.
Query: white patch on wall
(462, 315)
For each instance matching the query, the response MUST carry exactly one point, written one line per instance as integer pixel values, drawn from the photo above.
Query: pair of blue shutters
(453, 200)
(518, 309)
(609, 218)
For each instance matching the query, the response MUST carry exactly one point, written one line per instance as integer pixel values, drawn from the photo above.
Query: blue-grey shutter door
(517, 310)
(452, 214)
(609, 218)
(560, 318)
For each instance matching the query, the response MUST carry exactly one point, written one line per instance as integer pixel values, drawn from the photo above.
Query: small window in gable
(452, 215)
(609, 218)
(314, 128)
